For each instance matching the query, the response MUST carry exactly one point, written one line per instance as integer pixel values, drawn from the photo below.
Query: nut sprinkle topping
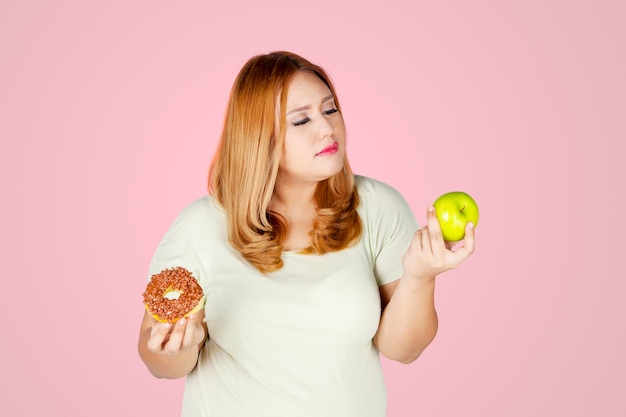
(171, 294)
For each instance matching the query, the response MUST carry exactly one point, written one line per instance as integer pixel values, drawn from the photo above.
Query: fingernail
(158, 327)
(181, 321)
(470, 225)
(431, 209)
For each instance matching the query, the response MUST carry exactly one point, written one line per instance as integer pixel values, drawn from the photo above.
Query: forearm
(409, 321)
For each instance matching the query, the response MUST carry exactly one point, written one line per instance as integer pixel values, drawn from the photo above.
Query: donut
(172, 294)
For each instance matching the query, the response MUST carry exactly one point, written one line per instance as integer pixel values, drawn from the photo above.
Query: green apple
(454, 210)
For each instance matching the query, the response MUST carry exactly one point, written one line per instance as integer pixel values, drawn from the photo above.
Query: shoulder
(372, 191)
(203, 211)
(201, 206)
(382, 204)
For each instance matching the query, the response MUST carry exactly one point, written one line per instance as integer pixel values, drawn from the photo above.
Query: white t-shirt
(296, 342)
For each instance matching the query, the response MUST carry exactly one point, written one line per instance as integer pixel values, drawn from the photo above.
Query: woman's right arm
(171, 350)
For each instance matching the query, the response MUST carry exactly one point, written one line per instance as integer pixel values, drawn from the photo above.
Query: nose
(326, 128)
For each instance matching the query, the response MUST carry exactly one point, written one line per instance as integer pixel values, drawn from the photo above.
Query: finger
(436, 237)
(451, 244)
(425, 240)
(469, 243)
(176, 337)
(470, 238)
(416, 242)
(158, 335)
(191, 333)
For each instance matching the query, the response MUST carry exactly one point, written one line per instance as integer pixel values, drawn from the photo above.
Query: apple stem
(462, 209)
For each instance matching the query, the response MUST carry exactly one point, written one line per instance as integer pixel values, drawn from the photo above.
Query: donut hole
(172, 294)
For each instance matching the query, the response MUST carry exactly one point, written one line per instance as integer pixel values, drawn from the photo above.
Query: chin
(331, 172)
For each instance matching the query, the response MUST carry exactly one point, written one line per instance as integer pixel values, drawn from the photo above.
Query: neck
(294, 198)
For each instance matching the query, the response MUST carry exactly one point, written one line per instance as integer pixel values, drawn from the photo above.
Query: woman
(310, 271)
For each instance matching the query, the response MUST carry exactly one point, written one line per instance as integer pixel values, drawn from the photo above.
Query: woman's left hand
(429, 255)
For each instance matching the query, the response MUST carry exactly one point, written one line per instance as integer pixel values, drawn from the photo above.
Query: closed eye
(301, 122)
(308, 119)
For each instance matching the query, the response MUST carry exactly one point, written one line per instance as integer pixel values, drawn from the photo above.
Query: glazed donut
(173, 294)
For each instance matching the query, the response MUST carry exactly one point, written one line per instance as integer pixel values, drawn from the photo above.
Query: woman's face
(315, 139)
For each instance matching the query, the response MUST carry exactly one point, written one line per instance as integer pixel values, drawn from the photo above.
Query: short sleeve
(178, 246)
(389, 223)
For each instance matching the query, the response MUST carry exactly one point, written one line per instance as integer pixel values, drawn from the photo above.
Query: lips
(329, 149)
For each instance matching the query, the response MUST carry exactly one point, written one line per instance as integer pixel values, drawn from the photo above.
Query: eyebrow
(297, 109)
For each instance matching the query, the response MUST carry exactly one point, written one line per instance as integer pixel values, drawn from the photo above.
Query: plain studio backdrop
(110, 112)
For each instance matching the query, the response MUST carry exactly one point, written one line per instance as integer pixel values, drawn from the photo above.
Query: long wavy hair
(246, 165)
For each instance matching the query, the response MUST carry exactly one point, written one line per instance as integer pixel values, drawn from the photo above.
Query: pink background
(109, 116)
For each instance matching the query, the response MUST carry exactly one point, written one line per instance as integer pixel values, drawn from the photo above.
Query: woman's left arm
(409, 320)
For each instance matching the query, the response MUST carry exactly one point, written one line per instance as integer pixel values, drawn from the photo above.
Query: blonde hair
(244, 170)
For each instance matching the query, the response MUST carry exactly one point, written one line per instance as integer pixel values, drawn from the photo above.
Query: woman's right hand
(171, 350)
(172, 338)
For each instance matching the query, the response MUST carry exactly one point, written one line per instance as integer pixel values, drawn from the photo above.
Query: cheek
(340, 136)
(297, 143)
(340, 128)
(291, 152)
